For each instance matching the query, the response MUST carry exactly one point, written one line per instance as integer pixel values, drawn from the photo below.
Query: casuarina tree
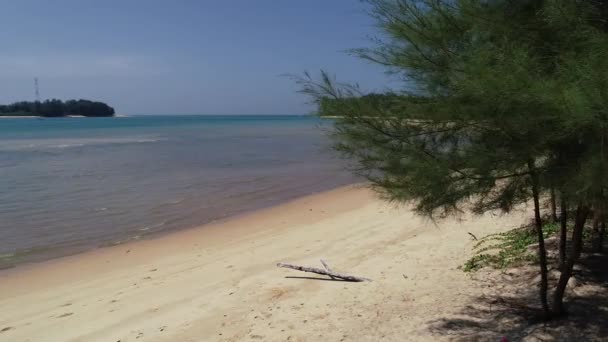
(494, 111)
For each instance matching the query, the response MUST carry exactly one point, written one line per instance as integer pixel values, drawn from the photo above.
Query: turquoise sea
(71, 184)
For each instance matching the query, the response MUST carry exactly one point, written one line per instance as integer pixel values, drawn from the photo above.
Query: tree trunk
(553, 206)
(563, 232)
(577, 244)
(595, 232)
(602, 234)
(542, 252)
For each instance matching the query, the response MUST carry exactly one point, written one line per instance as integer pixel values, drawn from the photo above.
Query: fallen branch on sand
(473, 236)
(327, 271)
(327, 268)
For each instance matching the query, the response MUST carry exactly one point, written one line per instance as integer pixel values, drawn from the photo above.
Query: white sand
(219, 282)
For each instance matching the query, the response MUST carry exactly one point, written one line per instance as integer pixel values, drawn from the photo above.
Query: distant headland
(57, 108)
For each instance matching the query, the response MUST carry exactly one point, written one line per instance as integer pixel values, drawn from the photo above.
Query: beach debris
(327, 268)
(327, 271)
(472, 236)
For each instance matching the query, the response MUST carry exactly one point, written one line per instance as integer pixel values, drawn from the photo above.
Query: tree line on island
(57, 108)
(503, 103)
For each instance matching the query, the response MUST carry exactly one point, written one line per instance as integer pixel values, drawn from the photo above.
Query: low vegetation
(514, 247)
(507, 249)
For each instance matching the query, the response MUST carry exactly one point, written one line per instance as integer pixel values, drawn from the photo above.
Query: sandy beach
(219, 282)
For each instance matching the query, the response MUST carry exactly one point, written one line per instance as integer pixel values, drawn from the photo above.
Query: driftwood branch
(325, 265)
(327, 271)
(473, 236)
(327, 268)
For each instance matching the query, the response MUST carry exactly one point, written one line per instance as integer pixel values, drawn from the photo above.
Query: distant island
(57, 108)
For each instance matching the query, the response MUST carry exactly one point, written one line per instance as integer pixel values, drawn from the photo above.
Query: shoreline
(17, 265)
(219, 282)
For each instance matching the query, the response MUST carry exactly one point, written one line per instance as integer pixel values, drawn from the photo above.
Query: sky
(182, 57)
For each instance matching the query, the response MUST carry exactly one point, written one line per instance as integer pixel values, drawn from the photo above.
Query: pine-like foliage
(501, 102)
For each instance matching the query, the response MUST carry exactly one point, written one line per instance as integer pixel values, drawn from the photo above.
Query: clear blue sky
(181, 57)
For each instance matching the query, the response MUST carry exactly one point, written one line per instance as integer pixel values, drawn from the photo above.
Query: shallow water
(72, 184)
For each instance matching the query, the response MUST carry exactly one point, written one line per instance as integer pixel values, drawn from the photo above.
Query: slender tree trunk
(563, 232)
(575, 252)
(553, 206)
(595, 233)
(602, 234)
(542, 252)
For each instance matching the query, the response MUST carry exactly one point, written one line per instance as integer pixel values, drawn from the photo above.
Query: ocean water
(71, 184)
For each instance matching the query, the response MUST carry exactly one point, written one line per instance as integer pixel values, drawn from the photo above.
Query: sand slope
(219, 282)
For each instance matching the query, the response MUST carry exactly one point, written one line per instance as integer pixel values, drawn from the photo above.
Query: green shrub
(506, 249)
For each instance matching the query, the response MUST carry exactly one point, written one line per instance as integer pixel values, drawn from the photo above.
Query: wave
(53, 144)
(7, 255)
(121, 241)
(174, 202)
(65, 145)
(153, 226)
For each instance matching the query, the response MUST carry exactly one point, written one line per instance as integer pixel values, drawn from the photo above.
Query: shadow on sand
(513, 310)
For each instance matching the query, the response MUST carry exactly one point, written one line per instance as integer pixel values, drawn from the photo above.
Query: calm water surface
(72, 184)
